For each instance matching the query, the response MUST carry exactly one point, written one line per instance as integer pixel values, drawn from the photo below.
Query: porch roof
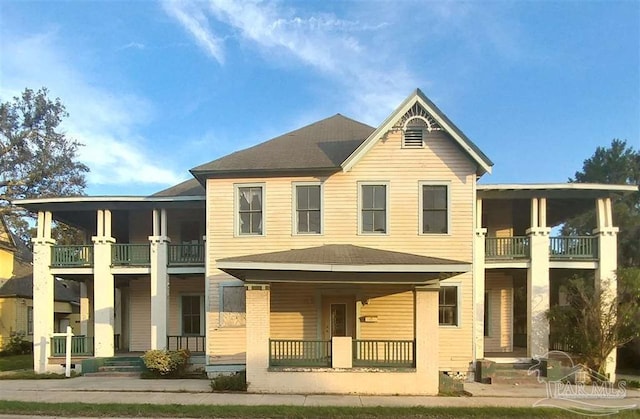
(341, 263)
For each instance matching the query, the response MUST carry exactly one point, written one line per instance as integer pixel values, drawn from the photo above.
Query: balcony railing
(573, 247)
(507, 247)
(72, 256)
(194, 344)
(80, 346)
(563, 344)
(186, 254)
(299, 353)
(130, 254)
(383, 353)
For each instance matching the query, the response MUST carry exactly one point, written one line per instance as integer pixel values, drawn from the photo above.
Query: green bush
(17, 345)
(235, 382)
(166, 363)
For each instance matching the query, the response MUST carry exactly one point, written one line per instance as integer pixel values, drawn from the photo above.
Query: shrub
(166, 363)
(17, 345)
(235, 382)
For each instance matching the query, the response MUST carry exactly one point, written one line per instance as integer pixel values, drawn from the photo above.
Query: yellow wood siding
(402, 170)
(499, 289)
(140, 226)
(140, 314)
(180, 287)
(498, 217)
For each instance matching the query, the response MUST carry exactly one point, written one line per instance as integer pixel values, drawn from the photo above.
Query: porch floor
(517, 355)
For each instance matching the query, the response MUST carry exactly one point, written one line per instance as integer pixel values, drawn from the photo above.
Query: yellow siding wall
(499, 288)
(140, 226)
(499, 217)
(6, 265)
(8, 313)
(180, 287)
(140, 314)
(402, 169)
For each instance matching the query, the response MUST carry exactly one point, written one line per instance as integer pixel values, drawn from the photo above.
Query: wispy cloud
(105, 120)
(133, 45)
(196, 23)
(368, 82)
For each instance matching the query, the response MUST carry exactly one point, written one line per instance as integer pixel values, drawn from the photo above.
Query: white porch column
(427, 338)
(43, 296)
(103, 287)
(605, 278)
(159, 280)
(258, 325)
(84, 309)
(538, 281)
(478, 284)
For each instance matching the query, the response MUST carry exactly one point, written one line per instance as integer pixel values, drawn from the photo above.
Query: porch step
(114, 367)
(113, 374)
(517, 373)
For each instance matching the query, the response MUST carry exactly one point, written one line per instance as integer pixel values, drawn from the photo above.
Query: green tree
(37, 159)
(596, 321)
(616, 164)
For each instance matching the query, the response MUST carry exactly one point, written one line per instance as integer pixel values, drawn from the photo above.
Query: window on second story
(308, 209)
(373, 208)
(250, 210)
(435, 209)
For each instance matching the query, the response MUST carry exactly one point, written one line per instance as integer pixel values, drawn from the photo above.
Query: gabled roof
(417, 97)
(321, 146)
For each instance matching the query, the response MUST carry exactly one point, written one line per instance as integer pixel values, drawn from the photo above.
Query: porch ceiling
(341, 263)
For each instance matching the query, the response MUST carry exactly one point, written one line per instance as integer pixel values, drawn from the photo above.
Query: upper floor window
(435, 209)
(373, 208)
(308, 209)
(250, 210)
(448, 306)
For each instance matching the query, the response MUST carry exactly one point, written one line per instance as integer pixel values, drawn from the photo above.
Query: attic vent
(412, 135)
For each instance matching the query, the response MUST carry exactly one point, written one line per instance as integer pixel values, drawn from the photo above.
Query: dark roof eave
(206, 174)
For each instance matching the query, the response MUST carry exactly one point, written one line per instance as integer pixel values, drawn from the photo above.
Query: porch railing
(72, 256)
(186, 254)
(516, 247)
(556, 343)
(80, 346)
(299, 353)
(573, 247)
(194, 344)
(130, 254)
(383, 353)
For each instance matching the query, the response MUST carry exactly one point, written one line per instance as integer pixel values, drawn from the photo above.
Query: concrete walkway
(133, 390)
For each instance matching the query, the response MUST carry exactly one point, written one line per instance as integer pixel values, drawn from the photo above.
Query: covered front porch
(342, 319)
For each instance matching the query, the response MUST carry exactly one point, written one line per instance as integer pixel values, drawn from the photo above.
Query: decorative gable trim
(418, 105)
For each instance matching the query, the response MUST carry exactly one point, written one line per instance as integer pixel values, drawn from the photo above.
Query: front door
(338, 317)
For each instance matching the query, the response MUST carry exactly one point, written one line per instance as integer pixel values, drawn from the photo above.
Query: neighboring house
(16, 292)
(337, 258)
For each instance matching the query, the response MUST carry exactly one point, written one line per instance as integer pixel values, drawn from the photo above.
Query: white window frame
(236, 209)
(294, 208)
(421, 184)
(386, 184)
(458, 287)
(202, 313)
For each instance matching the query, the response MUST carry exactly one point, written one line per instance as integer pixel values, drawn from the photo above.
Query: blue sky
(156, 88)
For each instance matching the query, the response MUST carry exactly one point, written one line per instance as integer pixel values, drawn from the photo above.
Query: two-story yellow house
(336, 258)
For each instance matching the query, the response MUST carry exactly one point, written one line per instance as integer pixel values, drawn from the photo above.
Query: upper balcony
(561, 248)
(128, 255)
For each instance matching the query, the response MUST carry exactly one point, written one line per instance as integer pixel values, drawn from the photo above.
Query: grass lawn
(16, 362)
(208, 411)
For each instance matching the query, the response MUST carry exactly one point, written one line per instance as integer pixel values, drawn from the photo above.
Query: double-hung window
(448, 306)
(191, 314)
(308, 209)
(435, 209)
(250, 210)
(373, 208)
